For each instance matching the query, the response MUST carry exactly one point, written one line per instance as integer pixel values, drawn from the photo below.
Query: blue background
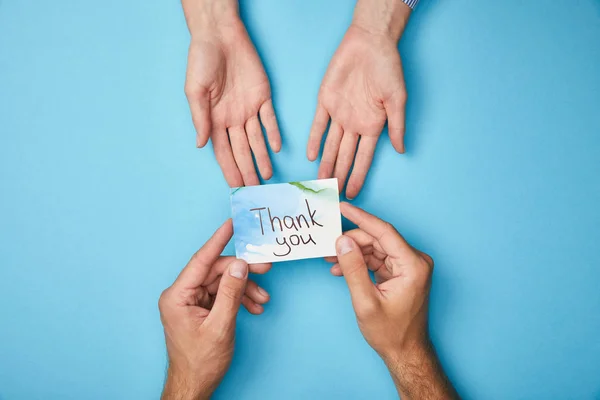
(103, 198)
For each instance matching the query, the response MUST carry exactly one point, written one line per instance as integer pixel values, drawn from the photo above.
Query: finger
(336, 270)
(355, 272)
(362, 238)
(316, 132)
(378, 254)
(199, 101)
(259, 147)
(362, 163)
(224, 157)
(251, 306)
(223, 262)
(365, 241)
(195, 272)
(345, 158)
(392, 243)
(229, 295)
(241, 153)
(256, 293)
(395, 109)
(330, 151)
(269, 121)
(374, 264)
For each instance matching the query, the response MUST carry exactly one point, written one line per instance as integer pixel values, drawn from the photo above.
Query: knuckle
(267, 113)
(402, 96)
(221, 154)
(429, 260)
(163, 300)
(345, 160)
(230, 292)
(426, 261)
(198, 258)
(423, 273)
(397, 130)
(249, 177)
(353, 186)
(389, 228)
(249, 123)
(355, 266)
(190, 91)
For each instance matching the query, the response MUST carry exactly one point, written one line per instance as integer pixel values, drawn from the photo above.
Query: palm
(363, 87)
(361, 77)
(237, 83)
(227, 89)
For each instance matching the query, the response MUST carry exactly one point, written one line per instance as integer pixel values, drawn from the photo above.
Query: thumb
(355, 271)
(199, 101)
(394, 108)
(229, 294)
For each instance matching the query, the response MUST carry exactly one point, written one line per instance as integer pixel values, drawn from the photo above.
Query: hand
(227, 90)
(362, 88)
(199, 312)
(392, 314)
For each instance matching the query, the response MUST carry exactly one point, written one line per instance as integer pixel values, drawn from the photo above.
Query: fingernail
(197, 141)
(238, 269)
(343, 245)
(263, 292)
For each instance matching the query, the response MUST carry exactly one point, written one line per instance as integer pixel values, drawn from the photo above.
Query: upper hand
(227, 90)
(199, 313)
(362, 88)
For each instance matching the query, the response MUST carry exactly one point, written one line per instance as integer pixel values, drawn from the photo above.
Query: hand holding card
(286, 221)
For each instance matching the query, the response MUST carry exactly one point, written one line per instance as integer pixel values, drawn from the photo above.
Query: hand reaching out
(392, 314)
(199, 313)
(362, 88)
(228, 90)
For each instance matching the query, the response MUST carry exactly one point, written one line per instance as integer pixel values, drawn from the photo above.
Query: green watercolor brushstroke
(296, 184)
(305, 188)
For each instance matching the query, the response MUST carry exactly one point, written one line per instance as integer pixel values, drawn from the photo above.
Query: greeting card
(286, 221)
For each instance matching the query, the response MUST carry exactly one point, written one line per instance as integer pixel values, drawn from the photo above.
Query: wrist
(210, 17)
(410, 354)
(417, 373)
(382, 17)
(182, 386)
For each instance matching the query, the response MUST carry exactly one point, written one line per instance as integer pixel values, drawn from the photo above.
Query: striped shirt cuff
(411, 3)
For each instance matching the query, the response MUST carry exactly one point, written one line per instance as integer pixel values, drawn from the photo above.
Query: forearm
(418, 374)
(386, 17)
(210, 16)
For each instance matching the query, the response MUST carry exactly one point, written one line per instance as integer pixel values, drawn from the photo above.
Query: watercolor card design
(286, 221)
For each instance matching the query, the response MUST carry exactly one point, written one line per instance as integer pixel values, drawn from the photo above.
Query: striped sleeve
(411, 3)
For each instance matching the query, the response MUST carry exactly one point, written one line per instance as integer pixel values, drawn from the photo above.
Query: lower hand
(199, 315)
(391, 314)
